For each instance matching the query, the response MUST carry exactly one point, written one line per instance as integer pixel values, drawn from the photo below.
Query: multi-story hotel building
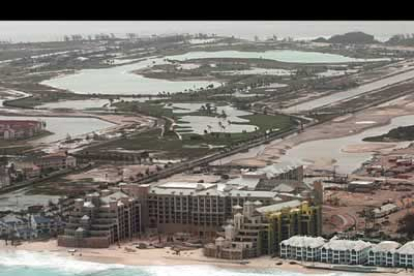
(303, 248)
(383, 254)
(256, 231)
(102, 219)
(345, 252)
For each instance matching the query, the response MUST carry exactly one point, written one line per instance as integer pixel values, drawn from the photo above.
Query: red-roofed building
(19, 129)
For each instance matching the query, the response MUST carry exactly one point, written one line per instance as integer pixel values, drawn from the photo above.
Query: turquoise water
(23, 263)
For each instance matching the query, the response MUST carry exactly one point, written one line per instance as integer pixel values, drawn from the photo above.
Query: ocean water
(23, 263)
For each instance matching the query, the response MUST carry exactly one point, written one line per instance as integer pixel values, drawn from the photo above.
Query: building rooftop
(284, 188)
(276, 169)
(279, 206)
(407, 248)
(385, 208)
(361, 182)
(116, 196)
(250, 183)
(386, 246)
(304, 241)
(342, 245)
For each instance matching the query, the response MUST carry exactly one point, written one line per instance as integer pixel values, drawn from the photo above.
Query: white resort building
(405, 255)
(345, 251)
(383, 254)
(302, 248)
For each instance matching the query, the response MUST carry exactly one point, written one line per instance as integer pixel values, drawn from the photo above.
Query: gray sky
(55, 30)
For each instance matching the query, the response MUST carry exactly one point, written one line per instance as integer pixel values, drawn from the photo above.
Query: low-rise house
(19, 129)
(16, 227)
(385, 210)
(44, 226)
(405, 255)
(345, 252)
(56, 161)
(302, 248)
(383, 254)
(361, 186)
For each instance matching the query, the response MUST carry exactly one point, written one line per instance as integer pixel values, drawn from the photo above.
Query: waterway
(121, 80)
(333, 148)
(350, 93)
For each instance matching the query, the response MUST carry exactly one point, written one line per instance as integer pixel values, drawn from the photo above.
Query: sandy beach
(162, 257)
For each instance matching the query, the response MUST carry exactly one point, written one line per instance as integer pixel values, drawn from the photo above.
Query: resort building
(102, 219)
(19, 129)
(383, 254)
(302, 248)
(55, 161)
(405, 255)
(385, 210)
(198, 208)
(256, 230)
(345, 252)
(44, 226)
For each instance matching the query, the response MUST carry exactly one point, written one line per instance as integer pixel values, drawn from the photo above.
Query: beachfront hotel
(383, 254)
(256, 230)
(102, 219)
(303, 248)
(348, 252)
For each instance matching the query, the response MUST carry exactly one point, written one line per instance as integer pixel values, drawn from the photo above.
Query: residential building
(361, 186)
(17, 227)
(302, 248)
(44, 226)
(383, 254)
(385, 210)
(55, 161)
(102, 219)
(349, 252)
(19, 129)
(405, 255)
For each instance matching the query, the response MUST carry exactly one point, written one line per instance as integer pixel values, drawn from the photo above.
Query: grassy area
(195, 145)
(394, 135)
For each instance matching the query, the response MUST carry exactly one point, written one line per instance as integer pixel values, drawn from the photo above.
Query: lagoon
(120, 79)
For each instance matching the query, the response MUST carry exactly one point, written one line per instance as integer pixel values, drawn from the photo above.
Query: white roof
(303, 241)
(88, 204)
(279, 206)
(185, 185)
(359, 182)
(386, 246)
(385, 208)
(407, 248)
(284, 188)
(343, 245)
(250, 183)
(278, 168)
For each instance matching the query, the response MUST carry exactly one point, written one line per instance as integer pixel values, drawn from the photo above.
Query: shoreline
(165, 257)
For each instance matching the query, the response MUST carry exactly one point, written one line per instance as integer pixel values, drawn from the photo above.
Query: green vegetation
(265, 122)
(349, 38)
(394, 135)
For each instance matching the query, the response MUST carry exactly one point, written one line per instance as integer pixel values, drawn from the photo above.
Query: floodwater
(19, 200)
(62, 126)
(278, 55)
(350, 92)
(198, 124)
(120, 80)
(332, 148)
(91, 103)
